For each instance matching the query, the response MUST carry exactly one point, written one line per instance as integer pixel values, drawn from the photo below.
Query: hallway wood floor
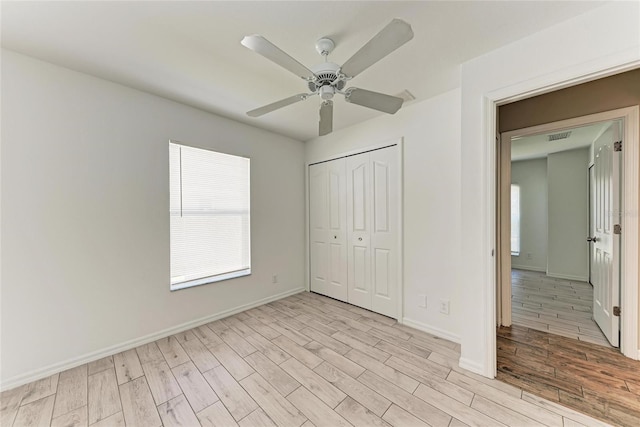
(590, 378)
(302, 361)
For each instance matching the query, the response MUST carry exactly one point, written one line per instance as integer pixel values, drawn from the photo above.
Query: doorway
(550, 237)
(560, 337)
(610, 297)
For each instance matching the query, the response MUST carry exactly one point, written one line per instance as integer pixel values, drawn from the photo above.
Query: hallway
(557, 306)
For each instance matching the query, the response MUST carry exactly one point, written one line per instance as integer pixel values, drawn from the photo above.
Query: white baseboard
(472, 366)
(568, 277)
(37, 374)
(440, 333)
(528, 268)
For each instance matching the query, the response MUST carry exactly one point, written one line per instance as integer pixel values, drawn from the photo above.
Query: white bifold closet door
(366, 254)
(328, 229)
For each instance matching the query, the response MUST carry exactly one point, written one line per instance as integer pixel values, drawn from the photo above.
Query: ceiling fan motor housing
(326, 74)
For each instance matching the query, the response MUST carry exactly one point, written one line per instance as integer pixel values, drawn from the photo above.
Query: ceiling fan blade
(391, 37)
(377, 101)
(276, 105)
(272, 52)
(326, 118)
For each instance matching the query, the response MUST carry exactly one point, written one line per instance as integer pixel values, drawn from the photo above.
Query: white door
(384, 233)
(318, 228)
(337, 222)
(353, 225)
(327, 224)
(372, 230)
(359, 229)
(606, 244)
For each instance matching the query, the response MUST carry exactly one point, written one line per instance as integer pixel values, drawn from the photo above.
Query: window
(515, 219)
(209, 216)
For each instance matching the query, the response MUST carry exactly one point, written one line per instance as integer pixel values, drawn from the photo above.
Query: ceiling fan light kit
(327, 78)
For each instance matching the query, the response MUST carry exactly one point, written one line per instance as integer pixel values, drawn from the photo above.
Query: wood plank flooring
(590, 378)
(559, 306)
(302, 361)
(555, 350)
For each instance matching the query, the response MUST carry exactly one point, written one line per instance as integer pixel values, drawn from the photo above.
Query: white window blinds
(209, 216)
(515, 219)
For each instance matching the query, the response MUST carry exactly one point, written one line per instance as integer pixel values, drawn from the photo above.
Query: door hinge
(616, 311)
(617, 146)
(617, 229)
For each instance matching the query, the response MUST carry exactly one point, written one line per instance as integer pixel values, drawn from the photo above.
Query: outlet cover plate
(444, 306)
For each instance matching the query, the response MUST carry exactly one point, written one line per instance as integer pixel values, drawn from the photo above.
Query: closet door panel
(384, 230)
(381, 272)
(337, 229)
(358, 230)
(318, 228)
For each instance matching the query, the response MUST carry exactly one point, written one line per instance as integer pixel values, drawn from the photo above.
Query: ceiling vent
(558, 136)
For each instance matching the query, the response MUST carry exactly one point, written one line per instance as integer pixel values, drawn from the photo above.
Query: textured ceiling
(190, 51)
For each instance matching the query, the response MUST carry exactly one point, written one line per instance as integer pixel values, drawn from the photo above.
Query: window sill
(515, 253)
(210, 279)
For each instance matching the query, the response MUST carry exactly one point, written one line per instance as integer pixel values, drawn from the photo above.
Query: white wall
(85, 224)
(568, 180)
(554, 214)
(531, 176)
(564, 53)
(431, 132)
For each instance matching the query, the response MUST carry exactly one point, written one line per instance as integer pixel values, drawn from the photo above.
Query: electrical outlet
(529, 255)
(274, 278)
(422, 301)
(444, 306)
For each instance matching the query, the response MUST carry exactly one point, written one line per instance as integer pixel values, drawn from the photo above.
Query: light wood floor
(559, 306)
(305, 360)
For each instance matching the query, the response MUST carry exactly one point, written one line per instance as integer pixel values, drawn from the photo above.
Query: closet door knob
(335, 237)
(360, 239)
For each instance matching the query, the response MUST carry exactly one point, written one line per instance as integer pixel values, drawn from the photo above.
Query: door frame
(590, 177)
(628, 218)
(399, 142)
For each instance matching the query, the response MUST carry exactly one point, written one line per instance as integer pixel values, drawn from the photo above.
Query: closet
(354, 208)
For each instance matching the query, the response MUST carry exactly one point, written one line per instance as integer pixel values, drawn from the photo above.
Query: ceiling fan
(327, 78)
